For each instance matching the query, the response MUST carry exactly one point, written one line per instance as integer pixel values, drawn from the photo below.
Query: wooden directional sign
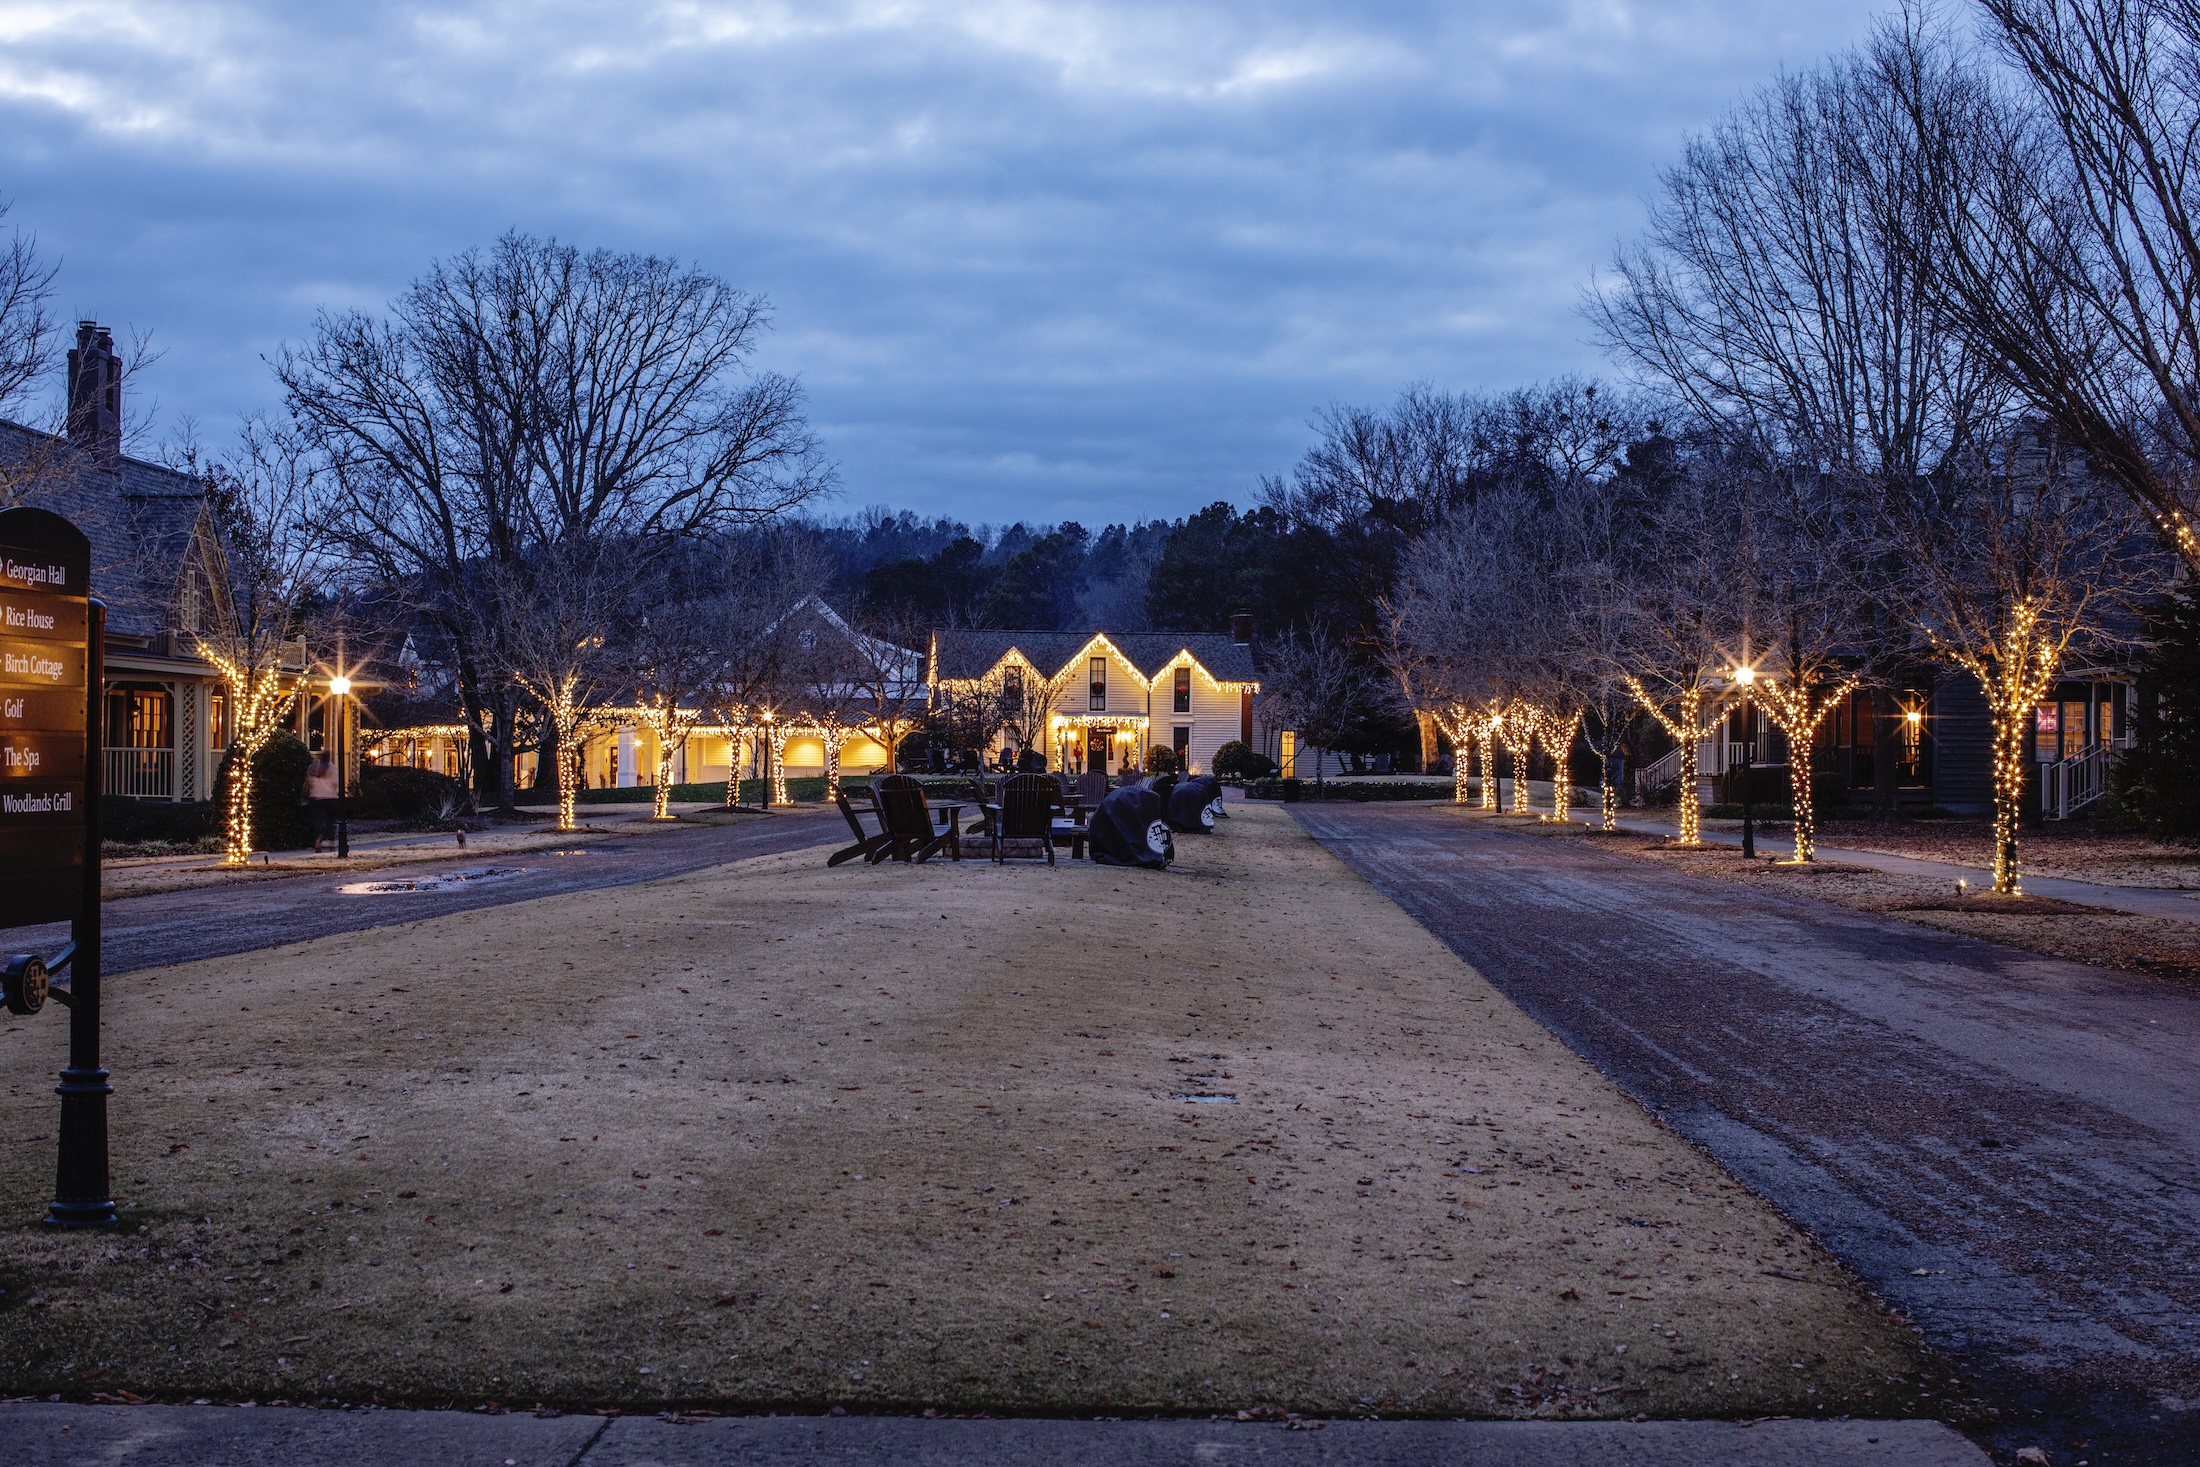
(47, 708)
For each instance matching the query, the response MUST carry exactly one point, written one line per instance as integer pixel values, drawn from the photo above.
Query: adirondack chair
(911, 832)
(868, 844)
(1030, 809)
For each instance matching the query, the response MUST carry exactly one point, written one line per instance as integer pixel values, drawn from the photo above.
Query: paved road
(38, 1435)
(2003, 1144)
(210, 922)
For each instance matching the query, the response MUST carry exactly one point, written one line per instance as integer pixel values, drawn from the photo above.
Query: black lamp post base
(81, 1214)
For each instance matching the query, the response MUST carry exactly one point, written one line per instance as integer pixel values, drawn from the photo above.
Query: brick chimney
(1241, 628)
(95, 391)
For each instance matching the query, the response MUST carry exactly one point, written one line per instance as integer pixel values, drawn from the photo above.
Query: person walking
(323, 787)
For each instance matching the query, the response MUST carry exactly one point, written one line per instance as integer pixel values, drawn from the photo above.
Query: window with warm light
(1183, 691)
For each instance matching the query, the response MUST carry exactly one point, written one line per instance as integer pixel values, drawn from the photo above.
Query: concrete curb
(39, 1434)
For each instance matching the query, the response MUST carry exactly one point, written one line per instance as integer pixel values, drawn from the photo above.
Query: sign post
(51, 683)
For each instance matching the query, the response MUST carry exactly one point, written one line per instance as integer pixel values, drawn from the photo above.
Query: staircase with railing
(2069, 785)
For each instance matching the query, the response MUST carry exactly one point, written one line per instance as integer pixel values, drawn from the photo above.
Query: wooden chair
(868, 844)
(911, 832)
(1030, 809)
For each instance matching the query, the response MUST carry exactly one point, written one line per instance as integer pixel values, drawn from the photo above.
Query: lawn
(777, 1136)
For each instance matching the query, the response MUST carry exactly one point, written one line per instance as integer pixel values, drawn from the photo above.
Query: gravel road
(2001, 1143)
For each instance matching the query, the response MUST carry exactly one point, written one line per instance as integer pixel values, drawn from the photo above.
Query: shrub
(1238, 760)
(129, 822)
(279, 819)
(1162, 760)
(396, 792)
(1353, 789)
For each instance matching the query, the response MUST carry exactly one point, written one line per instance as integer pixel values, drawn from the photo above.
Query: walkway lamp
(1744, 677)
(339, 688)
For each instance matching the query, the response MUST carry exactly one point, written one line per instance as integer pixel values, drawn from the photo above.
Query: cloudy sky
(1039, 261)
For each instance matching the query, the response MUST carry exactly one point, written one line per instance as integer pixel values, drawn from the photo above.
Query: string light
(1688, 730)
(1517, 729)
(1797, 710)
(2015, 672)
(1486, 741)
(259, 700)
(1558, 739)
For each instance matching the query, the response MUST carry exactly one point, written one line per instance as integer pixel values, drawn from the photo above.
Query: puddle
(440, 881)
(1209, 1099)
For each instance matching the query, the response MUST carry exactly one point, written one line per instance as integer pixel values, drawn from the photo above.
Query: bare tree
(263, 564)
(1317, 683)
(514, 403)
(2066, 229)
(2014, 556)
(1789, 295)
(26, 330)
(889, 670)
(563, 607)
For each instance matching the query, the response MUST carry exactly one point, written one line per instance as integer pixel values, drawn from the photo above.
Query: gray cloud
(1034, 261)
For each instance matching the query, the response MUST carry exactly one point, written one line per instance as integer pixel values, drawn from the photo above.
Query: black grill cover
(1194, 804)
(1131, 828)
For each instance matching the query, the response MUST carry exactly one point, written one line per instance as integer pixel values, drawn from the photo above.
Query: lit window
(1099, 700)
(1183, 689)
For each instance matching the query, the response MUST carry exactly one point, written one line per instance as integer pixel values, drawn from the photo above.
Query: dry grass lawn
(772, 1135)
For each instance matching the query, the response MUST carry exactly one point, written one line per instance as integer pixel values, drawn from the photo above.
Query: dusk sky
(1031, 261)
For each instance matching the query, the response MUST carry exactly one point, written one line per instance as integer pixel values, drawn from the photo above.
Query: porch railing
(145, 774)
(2069, 785)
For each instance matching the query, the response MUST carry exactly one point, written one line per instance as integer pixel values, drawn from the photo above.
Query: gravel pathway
(2001, 1143)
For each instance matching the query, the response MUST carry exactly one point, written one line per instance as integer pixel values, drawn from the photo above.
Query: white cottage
(1100, 700)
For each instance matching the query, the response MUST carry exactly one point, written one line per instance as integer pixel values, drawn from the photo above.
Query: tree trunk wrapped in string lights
(567, 720)
(1798, 710)
(1558, 735)
(776, 739)
(1517, 730)
(1688, 730)
(1485, 741)
(2015, 671)
(1458, 726)
(260, 700)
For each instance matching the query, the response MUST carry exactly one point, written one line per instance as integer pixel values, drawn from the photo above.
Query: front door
(1099, 744)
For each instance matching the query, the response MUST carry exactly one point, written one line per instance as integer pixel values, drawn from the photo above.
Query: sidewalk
(41, 1435)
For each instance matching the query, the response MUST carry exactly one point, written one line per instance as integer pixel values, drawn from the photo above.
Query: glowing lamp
(1745, 675)
(339, 685)
(1915, 716)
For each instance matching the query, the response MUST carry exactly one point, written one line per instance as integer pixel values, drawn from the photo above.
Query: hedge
(1351, 789)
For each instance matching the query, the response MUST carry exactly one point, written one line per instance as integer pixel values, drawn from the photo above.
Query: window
(187, 610)
(1183, 690)
(1012, 687)
(217, 719)
(1099, 679)
(1183, 746)
(138, 718)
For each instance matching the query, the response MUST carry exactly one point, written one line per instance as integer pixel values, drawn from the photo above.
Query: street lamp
(340, 689)
(1744, 677)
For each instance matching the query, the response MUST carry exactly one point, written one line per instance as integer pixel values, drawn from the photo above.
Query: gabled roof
(140, 518)
(964, 655)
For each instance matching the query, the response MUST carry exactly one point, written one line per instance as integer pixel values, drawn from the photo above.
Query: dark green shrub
(1161, 760)
(136, 822)
(1238, 760)
(395, 792)
(279, 819)
(1352, 789)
